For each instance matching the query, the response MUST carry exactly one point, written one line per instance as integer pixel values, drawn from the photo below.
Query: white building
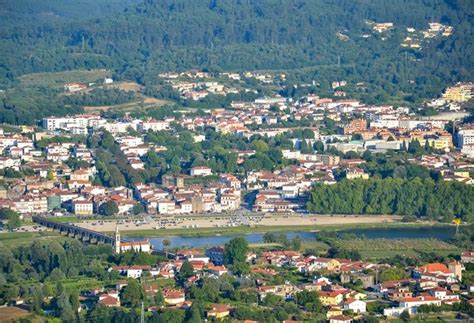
(465, 136)
(201, 171)
(166, 207)
(355, 305)
(136, 246)
(82, 207)
(154, 125)
(69, 122)
(31, 204)
(230, 201)
(418, 301)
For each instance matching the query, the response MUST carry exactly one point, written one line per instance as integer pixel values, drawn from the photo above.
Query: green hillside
(317, 40)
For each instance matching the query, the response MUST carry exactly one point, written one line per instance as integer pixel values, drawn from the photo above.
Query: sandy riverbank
(229, 222)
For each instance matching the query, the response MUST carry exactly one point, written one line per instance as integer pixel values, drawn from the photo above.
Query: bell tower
(117, 240)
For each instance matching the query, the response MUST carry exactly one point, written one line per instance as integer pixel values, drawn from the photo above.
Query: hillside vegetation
(320, 40)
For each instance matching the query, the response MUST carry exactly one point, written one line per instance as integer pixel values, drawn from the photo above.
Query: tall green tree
(133, 294)
(235, 254)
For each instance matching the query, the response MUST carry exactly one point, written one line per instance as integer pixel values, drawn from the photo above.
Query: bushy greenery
(98, 97)
(437, 200)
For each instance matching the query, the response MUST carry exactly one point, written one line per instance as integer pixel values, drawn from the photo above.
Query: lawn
(204, 232)
(83, 283)
(16, 239)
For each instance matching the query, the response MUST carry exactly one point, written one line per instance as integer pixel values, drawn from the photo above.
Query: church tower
(117, 240)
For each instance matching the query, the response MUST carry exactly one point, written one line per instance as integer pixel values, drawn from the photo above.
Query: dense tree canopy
(438, 200)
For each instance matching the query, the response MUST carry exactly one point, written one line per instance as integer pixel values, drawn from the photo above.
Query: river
(441, 233)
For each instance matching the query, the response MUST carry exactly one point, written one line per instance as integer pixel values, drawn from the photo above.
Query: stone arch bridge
(74, 231)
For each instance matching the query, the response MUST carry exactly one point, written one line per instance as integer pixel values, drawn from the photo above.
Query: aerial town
(54, 170)
(130, 173)
(176, 161)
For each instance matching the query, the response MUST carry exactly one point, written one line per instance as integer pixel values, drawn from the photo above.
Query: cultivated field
(16, 239)
(144, 104)
(384, 248)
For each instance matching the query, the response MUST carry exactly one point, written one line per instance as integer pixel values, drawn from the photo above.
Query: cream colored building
(461, 92)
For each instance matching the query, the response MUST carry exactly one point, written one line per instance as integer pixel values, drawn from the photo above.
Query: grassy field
(16, 239)
(58, 79)
(13, 313)
(144, 104)
(321, 248)
(83, 283)
(199, 232)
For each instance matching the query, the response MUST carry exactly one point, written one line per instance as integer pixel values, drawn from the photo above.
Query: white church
(136, 246)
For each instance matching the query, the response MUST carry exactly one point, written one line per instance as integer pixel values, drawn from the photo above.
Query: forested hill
(162, 35)
(61, 9)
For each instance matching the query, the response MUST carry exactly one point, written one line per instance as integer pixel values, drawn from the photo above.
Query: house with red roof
(410, 302)
(109, 299)
(331, 297)
(443, 294)
(340, 319)
(173, 296)
(219, 311)
(439, 272)
(217, 270)
(467, 257)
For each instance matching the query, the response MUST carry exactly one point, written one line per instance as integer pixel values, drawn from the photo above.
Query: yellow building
(461, 92)
(219, 311)
(331, 298)
(327, 264)
(356, 173)
(462, 173)
(441, 142)
(333, 311)
(333, 264)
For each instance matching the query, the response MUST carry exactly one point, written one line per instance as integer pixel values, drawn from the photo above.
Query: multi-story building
(154, 125)
(29, 204)
(82, 207)
(356, 125)
(69, 122)
(465, 136)
(166, 207)
(461, 92)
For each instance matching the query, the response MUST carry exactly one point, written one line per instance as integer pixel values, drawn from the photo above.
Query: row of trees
(98, 97)
(442, 200)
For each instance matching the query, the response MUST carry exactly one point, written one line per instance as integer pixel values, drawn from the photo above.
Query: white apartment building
(31, 204)
(69, 122)
(154, 125)
(166, 207)
(465, 136)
